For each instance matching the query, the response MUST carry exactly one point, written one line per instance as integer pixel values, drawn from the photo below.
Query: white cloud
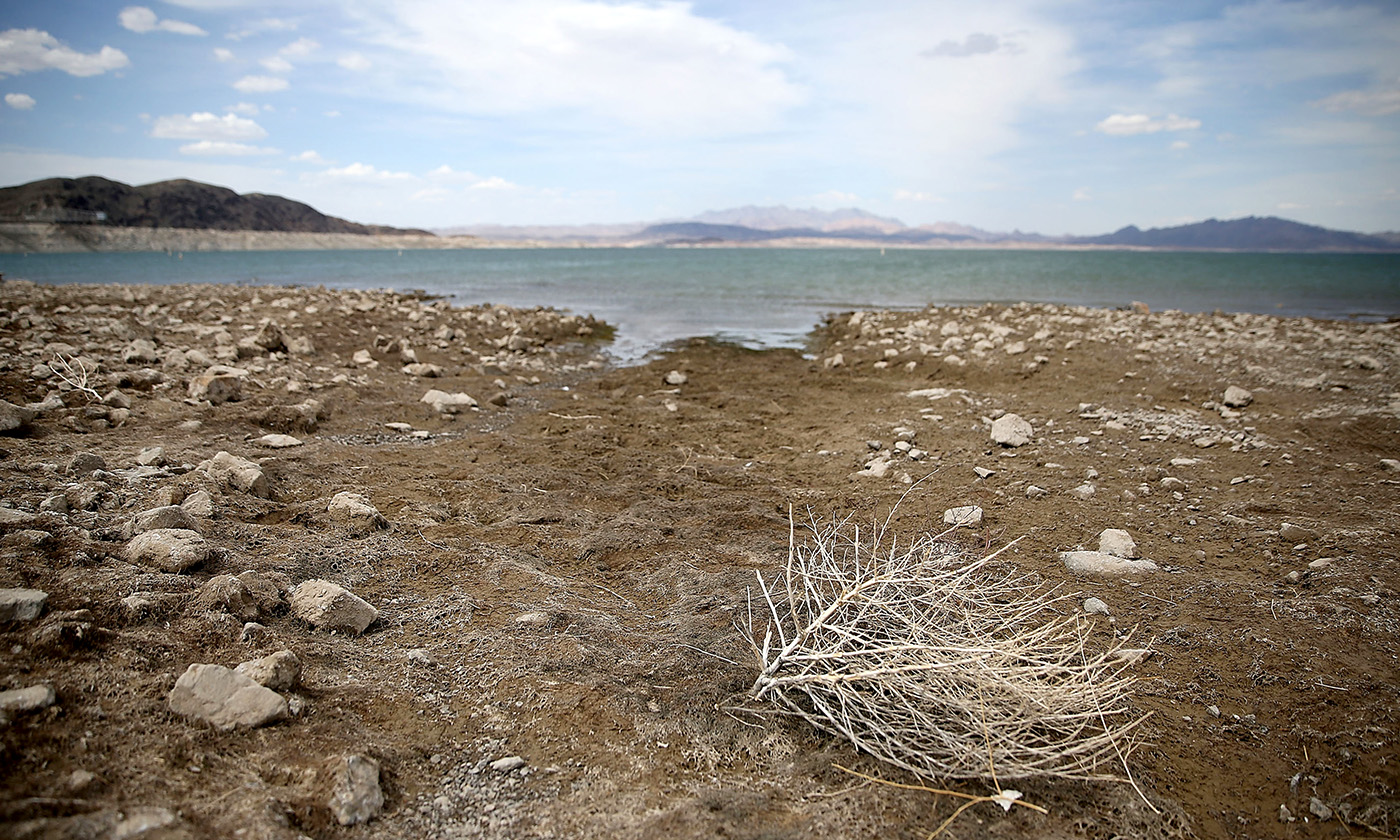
(978, 43)
(277, 64)
(447, 173)
(367, 173)
(1082, 194)
(1371, 103)
(264, 25)
(658, 67)
(1128, 125)
(31, 50)
(1180, 145)
(914, 195)
(435, 194)
(207, 126)
(141, 19)
(260, 84)
(300, 48)
(247, 109)
(836, 197)
(354, 61)
(223, 54)
(225, 148)
(20, 101)
(495, 182)
(310, 156)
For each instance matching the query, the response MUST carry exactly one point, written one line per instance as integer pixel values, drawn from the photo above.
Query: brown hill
(169, 204)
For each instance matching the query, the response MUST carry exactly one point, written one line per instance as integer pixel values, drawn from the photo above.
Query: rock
(1237, 397)
(1319, 809)
(356, 512)
(199, 503)
(11, 518)
(362, 357)
(445, 403)
(268, 337)
(499, 399)
(219, 384)
(22, 604)
(1034, 492)
(169, 549)
(675, 378)
(1083, 492)
(1321, 563)
(14, 418)
(1094, 606)
(329, 606)
(1119, 543)
(423, 369)
(142, 351)
(983, 472)
(1296, 533)
(225, 699)
(116, 399)
(355, 793)
(278, 671)
(263, 591)
(1390, 464)
(229, 470)
(86, 463)
(150, 823)
(834, 361)
(1284, 815)
(226, 593)
(1171, 484)
(305, 416)
(151, 456)
(31, 699)
(968, 516)
(507, 764)
(1011, 430)
(252, 632)
(169, 516)
(1098, 563)
(275, 441)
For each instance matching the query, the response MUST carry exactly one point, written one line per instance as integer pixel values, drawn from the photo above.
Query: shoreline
(553, 562)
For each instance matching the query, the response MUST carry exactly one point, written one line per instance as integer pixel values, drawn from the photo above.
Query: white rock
(423, 369)
(22, 604)
(356, 512)
(1237, 397)
(1098, 563)
(1034, 492)
(146, 821)
(169, 549)
(219, 384)
(169, 516)
(226, 593)
(14, 417)
(1296, 533)
(675, 378)
(225, 699)
(1011, 430)
(445, 403)
(507, 764)
(278, 671)
(968, 516)
(30, 699)
(362, 357)
(330, 606)
(9, 517)
(1094, 606)
(199, 503)
(1119, 543)
(355, 793)
(229, 470)
(983, 472)
(275, 441)
(1390, 464)
(1084, 491)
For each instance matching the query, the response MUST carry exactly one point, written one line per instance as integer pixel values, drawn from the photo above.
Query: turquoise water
(770, 297)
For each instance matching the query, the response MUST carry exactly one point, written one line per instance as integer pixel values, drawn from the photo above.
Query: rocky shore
(293, 562)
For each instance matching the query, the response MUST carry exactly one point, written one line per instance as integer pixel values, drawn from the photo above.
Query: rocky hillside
(169, 204)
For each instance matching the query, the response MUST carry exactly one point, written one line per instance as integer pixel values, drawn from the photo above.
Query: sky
(1053, 116)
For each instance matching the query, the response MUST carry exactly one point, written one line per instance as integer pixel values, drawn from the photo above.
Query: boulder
(22, 604)
(219, 384)
(329, 606)
(279, 671)
(169, 549)
(168, 516)
(1011, 430)
(142, 351)
(199, 503)
(1098, 563)
(1119, 543)
(14, 418)
(355, 795)
(1237, 397)
(229, 470)
(356, 512)
(225, 699)
(226, 593)
(445, 403)
(264, 592)
(305, 416)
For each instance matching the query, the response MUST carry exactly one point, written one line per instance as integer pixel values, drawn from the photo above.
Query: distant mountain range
(168, 204)
(192, 205)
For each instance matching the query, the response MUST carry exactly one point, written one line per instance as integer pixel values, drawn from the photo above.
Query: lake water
(773, 297)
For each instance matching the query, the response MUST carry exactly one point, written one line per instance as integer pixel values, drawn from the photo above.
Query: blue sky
(1056, 117)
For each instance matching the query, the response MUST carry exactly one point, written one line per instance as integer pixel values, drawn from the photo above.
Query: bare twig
(74, 371)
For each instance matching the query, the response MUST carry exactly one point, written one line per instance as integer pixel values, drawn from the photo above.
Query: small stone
(22, 604)
(507, 764)
(1205, 442)
(252, 632)
(1285, 815)
(231, 471)
(31, 699)
(355, 793)
(362, 357)
(1390, 464)
(151, 456)
(80, 780)
(499, 399)
(1213, 710)
(1294, 576)
(86, 463)
(329, 606)
(356, 512)
(968, 516)
(1171, 484)
(1319, 809)
(1296, 533)
(1237, 397)
(168, 516)
(1034, 492)
(1322, 563)
(147, 822)
(983, 472)
(199, 503)
(675, 378)
(219, 384)
(1083, 492)
(276, 441)
(1011, 430)
(445, 403)
(169, 549)
(226, 593)
(278, 671)
(420, 656)
(1119, 543)
(116, 399)
(225, 699)
(1098, 563)
(1094, 606)
(424, 369)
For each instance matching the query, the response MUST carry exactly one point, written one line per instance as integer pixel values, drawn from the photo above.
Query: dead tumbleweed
(944, 663)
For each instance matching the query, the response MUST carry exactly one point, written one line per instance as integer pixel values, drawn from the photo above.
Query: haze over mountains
(183, 204)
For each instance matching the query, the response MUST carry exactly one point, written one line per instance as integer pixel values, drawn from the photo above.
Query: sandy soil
(562, 568)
